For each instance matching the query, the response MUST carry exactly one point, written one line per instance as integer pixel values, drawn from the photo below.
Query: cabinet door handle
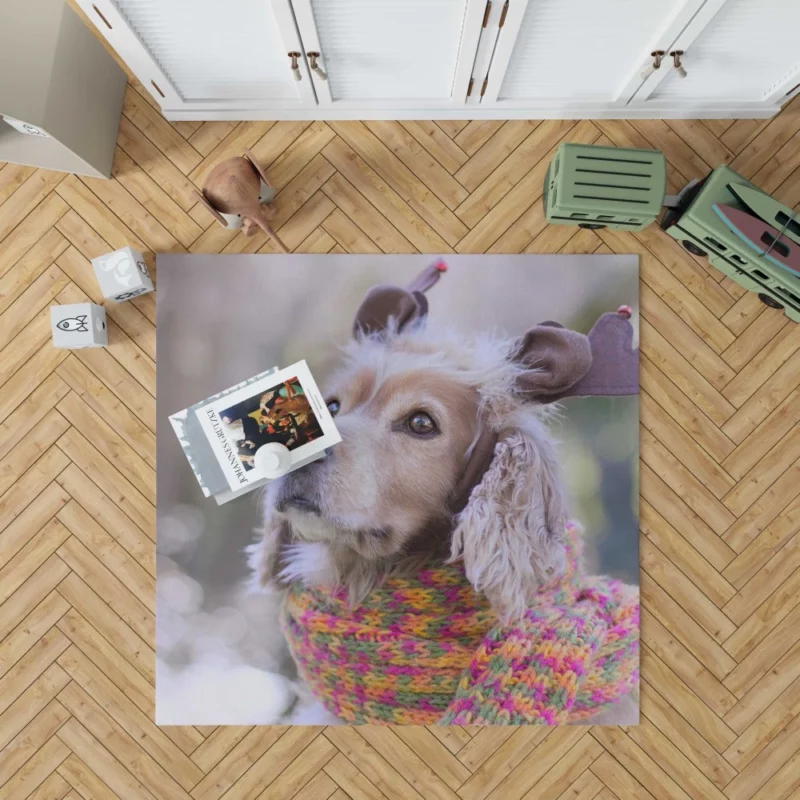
(657, 55)
(676, 61)
(312, 58)
(295, 67)
(102, 17)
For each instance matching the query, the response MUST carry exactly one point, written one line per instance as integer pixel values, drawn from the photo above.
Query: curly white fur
(511, 533)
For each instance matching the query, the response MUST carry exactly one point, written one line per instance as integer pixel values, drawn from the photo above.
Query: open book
(222, 434)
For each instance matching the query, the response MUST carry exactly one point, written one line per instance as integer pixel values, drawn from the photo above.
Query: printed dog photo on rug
(281, 414)
(467, 554)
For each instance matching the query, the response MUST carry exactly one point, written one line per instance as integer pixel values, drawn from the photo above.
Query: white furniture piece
(61, 93)
(470, 59)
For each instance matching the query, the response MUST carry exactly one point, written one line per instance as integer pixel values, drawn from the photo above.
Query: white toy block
(122, 274)
(79, 325)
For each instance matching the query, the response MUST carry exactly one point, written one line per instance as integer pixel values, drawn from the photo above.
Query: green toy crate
(696, 225)
(598, 187)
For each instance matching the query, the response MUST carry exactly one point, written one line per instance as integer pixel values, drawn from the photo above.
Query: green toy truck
(696, 225)
(598, 187)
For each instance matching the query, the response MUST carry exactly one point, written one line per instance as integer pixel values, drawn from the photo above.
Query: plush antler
(563, 363)
(615, 364)
(385, 303)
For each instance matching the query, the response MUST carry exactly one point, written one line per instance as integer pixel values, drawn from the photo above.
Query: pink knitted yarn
(429, 650)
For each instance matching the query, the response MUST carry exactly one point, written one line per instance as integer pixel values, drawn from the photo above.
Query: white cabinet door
(205, 54)
(562, 54)
(390, 54)
(736, 52)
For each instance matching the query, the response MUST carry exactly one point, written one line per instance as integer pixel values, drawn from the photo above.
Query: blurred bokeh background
(221, 319)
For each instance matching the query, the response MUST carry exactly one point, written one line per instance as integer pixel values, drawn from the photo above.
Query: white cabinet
(429, 59)
(202, 56)
(567, 52)
(405, 53)
(736, 51)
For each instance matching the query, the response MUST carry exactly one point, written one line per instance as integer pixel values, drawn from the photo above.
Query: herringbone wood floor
(720, 488)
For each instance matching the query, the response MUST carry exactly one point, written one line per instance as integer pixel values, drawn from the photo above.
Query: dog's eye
(333, 407)
(421, 424)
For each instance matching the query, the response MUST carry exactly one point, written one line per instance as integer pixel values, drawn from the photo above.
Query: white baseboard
(739, 111)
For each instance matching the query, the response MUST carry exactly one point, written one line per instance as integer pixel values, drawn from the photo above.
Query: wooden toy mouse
(238, 194)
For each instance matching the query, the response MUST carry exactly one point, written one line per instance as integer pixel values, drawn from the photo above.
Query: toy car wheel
(693, 248)
(769, 301)
(592, 226)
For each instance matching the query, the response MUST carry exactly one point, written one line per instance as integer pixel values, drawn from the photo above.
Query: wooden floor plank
(30, 231)
(417, 159)
(12, 176)
(680, 697)
(31, 593)
(399, 180)
(437, 143)
(144, 189)
(127, 750)
(159, 131)
(31, 629)
(166, 175)
(36, 550)
(25, 199)
(498, 182)
(31, 738)
(105, 769)
(30, 267)
(493, 153)
(209, 135)
(685, 413)
(684, 555)
(670, 730)
(108, 624)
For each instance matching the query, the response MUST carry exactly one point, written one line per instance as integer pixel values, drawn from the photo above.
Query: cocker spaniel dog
(445, 453)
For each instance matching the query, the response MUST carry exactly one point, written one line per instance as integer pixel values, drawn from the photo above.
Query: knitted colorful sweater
(428, 650)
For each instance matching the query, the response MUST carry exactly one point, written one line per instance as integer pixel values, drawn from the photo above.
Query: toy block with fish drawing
(79, 325)
(122, 275)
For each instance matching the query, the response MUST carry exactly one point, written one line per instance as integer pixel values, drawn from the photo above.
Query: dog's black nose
(312, 465)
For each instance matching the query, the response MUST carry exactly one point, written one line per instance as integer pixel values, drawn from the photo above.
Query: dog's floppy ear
(511, 534)
(391, 307)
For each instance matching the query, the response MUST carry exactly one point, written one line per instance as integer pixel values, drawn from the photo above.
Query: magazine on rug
(222, 435)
